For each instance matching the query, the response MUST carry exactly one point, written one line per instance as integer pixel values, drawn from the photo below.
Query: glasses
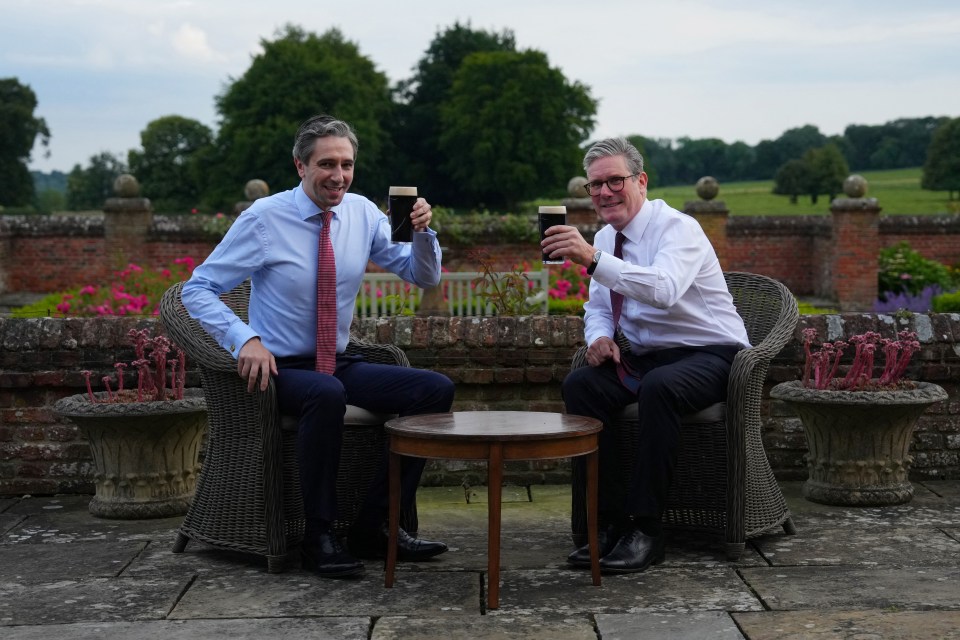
(615, 184)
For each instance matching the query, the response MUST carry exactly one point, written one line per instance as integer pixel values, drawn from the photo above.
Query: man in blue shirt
(656, 279)
(275, 243)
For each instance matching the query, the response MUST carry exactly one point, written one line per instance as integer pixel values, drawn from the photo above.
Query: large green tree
(167, 165)
(419, 127)
(941, 171)
(19, 129)
(792, 179)
(512, 128)
(828, 170)
(792, 143)
(89, 187)
(298, 75)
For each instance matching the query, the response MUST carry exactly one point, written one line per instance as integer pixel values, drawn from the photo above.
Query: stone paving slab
(6, 503)
(90, 600)
(657, 589)
(483, 628)
(850, 625)
(33, 563)
(300, 594)
(8, 521)
(273, 628)
(66, 519)
(949, 490)
(715, 625)
(926, 509)
(825, 587)
(887, 547)
(198, 559)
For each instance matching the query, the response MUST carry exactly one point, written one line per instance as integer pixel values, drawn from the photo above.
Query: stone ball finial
(256, 188)
(126, 186)
(855, 186)
(575, 187)
(708, 187)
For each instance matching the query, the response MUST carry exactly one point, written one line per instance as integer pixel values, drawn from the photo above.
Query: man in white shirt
(656, 279)
(276, 243)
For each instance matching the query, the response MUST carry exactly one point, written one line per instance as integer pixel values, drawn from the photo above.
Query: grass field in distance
(897, 192)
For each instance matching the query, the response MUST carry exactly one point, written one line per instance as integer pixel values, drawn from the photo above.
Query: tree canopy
(512, 127)
(298, 75)
(89, 188)
(19, 130)
(419, 126)
(941, 171)
(167, 166)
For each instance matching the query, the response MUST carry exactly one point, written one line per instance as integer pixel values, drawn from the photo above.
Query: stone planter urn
(146, 453)
(859, 441)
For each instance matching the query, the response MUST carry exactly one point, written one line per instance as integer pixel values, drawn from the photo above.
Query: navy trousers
(320, 401)
(673, 382)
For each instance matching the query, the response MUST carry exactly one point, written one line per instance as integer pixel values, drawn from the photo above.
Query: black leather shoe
(634, 552)
(324, 556)
(372, 543)
(607, 539)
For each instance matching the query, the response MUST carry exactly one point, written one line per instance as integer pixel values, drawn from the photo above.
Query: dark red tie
(616, 304)
(326, 300)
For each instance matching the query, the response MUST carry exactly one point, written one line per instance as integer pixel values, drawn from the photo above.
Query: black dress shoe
(634, 552)
(324, 556)
(607, 539)
(372, 543)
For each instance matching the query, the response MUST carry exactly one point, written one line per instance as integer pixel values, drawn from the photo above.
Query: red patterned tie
(326, 300)
(616, 304)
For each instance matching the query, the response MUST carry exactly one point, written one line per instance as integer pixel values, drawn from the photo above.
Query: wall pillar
(855, 246)
(126, 221)
(712, 216)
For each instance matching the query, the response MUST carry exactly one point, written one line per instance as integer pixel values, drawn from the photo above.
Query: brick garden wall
(496, 363)
(41, 254)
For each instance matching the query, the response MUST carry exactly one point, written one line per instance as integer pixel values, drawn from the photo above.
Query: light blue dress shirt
(674, 293)
(275, 243)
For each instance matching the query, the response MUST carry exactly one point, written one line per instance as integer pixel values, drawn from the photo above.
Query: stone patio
(884, 572)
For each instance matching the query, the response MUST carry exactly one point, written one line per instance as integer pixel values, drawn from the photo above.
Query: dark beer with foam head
(400, 203)
(549, 217)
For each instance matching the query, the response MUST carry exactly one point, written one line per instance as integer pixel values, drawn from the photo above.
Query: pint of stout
(400, 203)
(549, 217)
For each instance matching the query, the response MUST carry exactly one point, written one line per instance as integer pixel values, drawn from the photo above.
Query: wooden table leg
(592, 521)
(394, 517)
(494, 484)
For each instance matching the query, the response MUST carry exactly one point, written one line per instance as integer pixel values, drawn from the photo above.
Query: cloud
(191, 42)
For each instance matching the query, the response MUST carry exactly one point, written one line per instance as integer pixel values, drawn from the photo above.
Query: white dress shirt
(275, 243)
(673, 287)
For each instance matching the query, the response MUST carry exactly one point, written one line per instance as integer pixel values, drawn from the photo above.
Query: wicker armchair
(722, 482)
(248, 494)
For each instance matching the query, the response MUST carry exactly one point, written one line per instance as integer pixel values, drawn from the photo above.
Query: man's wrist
(593, 265)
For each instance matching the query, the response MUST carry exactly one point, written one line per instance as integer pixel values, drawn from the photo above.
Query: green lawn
(898, 192)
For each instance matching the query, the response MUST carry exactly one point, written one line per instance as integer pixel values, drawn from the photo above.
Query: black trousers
(673, 382)
(320, 400)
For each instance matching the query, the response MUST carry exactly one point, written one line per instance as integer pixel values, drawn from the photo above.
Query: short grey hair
(614, 147)
(321, 127)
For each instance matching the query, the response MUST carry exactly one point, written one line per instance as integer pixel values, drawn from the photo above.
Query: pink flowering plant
(133, 291)
(161, 372)
(821, 369)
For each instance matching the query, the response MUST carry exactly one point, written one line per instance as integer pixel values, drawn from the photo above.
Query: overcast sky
(735, 70)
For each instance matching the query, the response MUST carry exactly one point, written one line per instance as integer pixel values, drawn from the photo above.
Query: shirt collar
(635, 228)
(306, 207)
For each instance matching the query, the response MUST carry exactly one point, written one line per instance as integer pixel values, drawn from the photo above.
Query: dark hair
(614, 147)
(321, 127)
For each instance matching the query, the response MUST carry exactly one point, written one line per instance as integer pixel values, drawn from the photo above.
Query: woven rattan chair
(248, 494)
(722, 482)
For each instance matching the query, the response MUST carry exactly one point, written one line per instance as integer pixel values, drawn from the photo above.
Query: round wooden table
(494, 436)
